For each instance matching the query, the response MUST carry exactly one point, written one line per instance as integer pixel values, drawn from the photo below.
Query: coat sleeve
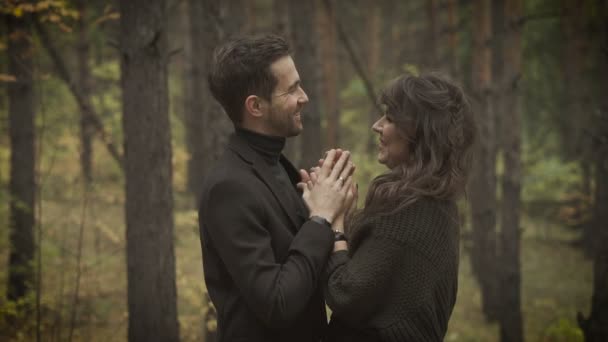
(276, 292)
(356, 285)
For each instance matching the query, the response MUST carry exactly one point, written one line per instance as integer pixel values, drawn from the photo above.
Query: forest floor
(557, 279)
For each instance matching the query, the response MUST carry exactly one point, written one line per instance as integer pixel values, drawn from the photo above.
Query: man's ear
(255, 106)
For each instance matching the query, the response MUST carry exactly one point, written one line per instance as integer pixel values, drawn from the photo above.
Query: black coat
(262, 258)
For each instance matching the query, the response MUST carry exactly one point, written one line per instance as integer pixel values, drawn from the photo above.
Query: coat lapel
(240, 146)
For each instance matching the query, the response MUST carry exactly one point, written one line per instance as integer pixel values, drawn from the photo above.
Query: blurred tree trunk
(306, 59)
(329, 55)
(483, 178)
(372, 44)
(207, 127)
(151, 288)
(280, 16)
(452, 33)
(390, 40)
(237, 17)
(84, 82)
(432, 46)
(511, 322)
(595, 327)
(576, 90)
(22, 169)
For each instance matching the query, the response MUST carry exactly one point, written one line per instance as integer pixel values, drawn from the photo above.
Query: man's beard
(285, 124)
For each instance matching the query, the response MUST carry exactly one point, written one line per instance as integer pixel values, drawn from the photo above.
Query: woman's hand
(326, 189)
(350, 205)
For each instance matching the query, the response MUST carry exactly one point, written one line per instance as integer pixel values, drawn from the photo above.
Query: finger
(310, 185)
(327, 164)
(314, 177)
(346, 171)
(301, 186)
(347, 185)
(335, 172)
(321, 162)
(304, 176)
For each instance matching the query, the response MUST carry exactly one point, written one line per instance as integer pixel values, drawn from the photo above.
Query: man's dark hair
(241, 67)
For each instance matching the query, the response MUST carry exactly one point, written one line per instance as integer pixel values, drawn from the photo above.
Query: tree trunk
(511, 322)
(207, 127)
(151, 288)
(432, 47)
(280, 16)
(22, 169)
(306, 59)
(576, 89)
(483, 178)
(595, 327)
(235, 15)
(84, 81)
(373, 58)
(453, 38)
(329, 56)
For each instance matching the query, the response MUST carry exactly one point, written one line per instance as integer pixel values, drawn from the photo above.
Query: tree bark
(511, 322)
(307, 62)
(22, 168)
(483, 178)
(84, 80)
(151, 288)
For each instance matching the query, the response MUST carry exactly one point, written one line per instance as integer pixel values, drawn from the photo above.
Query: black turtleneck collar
(269, 147)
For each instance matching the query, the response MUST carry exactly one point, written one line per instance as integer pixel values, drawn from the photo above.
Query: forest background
(107, 128)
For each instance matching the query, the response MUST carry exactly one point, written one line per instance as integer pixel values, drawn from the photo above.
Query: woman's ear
(255, 106)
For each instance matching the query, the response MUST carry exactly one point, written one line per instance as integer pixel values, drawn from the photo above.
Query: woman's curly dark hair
(435, 117)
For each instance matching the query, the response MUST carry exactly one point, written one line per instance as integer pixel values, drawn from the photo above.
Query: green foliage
(18, 319)
(564, 330)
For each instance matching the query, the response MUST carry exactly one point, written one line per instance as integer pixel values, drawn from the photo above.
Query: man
(263, 249)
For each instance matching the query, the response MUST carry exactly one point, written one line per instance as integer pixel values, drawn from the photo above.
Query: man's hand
(326, 188)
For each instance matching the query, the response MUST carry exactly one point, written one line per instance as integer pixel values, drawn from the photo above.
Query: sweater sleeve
(355, 284)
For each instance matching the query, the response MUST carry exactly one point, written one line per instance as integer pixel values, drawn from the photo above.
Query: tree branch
(369, 88)
(84, 105)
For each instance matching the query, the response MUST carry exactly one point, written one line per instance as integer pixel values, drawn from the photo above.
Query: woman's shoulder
(419, 220)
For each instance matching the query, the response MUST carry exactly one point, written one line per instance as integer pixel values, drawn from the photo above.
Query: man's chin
(295, 131)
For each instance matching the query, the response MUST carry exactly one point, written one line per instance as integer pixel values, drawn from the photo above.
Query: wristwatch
(339, 236)
(321, 220)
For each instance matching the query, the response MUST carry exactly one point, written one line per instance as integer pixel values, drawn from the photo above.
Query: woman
(395, 279)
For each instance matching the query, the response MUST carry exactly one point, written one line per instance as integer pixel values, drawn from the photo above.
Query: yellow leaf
(42, 5)
(18, 12)
(7, 78)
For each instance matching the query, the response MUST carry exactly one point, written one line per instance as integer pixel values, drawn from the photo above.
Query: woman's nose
(377, 127)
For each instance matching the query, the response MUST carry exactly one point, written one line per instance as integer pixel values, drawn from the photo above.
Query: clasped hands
(328, 189)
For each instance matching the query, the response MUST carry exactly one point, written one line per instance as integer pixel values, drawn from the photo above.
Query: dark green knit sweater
(399, 279)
